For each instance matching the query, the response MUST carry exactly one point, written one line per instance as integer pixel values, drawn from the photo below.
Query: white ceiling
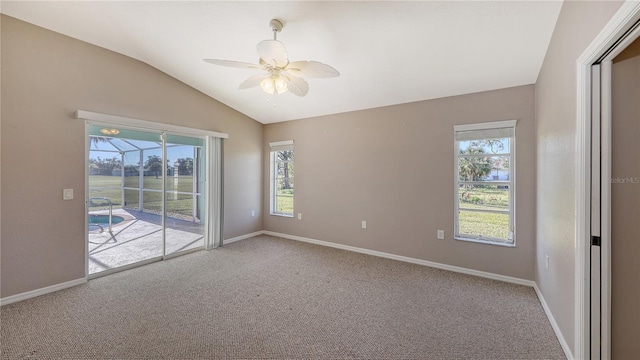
(387, 52)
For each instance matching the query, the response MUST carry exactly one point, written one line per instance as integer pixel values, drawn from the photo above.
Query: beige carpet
(271, 298)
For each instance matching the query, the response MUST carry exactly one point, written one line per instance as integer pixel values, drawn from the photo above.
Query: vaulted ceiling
(387, 52)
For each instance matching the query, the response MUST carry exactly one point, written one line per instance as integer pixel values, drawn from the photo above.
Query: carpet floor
(273, 298)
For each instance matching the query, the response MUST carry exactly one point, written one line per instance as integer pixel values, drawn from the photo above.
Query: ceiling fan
(278, 73)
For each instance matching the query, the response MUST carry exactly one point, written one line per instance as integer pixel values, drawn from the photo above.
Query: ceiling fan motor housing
(276, 25)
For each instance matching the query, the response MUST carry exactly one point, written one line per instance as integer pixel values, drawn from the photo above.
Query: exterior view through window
(485, 182)
(146, 196)
(281, 178)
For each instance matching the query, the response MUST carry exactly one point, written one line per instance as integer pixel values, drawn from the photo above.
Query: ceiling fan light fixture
(274, 83)
(268, 85)
(110, 131)
(281, 85)
(281, 75)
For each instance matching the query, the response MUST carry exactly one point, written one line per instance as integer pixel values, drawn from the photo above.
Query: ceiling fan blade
(235, 64)
(312, 69)
(273, 53)
(296, 85)
(253, 81)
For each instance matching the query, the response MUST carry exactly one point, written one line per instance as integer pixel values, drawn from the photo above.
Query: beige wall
(625, 204)
(45, 78)
(578, 24)
(393, 167)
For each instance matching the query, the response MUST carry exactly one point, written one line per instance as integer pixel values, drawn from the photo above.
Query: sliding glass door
(146, 196)
(185, 213)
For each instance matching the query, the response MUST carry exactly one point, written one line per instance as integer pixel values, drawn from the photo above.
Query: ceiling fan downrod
(276, 26)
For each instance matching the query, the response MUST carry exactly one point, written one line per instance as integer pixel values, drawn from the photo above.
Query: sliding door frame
(213, 181)
(609, 42)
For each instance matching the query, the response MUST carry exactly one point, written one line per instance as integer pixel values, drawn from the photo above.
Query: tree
(98, 139)
(101, 166)
(185, 166)
(154, 163)
(285, 156)
(475, 168)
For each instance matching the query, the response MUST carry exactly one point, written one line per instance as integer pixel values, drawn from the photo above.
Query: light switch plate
(440, 234)
(67, 194)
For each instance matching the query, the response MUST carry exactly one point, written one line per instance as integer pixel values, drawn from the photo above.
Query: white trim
(242, 237)
(478, 128)
(144, 124)
(563, 342)
(486, 125)
(627, 15)
(406, 259)
(281, 143)
(87, 147)
(605, 210)
(42, 291)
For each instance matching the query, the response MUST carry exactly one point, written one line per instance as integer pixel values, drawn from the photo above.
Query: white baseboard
(37, 292)
(457, 269)
(242, 237)
(554, 324)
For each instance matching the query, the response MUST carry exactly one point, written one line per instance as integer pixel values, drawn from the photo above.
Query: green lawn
(484, 224)
(284, 201)
(491, 197)
(110, 187)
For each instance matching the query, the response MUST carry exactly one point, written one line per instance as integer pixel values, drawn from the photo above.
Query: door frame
(213, 169)
(604, 45)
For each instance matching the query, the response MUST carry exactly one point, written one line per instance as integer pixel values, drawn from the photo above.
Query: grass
(484, 224)
(284, 202)
(182, 183)
(111, 187)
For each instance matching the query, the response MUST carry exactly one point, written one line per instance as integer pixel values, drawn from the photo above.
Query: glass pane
(284, 202)
(180, 206)
(153, 168)
(123, 235)
(105, 181)
(181, 168)
(485, 197)
(486, 225)
(185, 202)
(484, 168)
(284, 183)
(485, 146)
(152, 202)
(132, 169)
(131, 199)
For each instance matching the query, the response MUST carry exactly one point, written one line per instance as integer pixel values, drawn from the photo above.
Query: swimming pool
(100, 222)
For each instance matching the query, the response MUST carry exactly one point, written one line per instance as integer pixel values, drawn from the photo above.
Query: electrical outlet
(253, 213)
(364, 224)
(440, 234)
(546, 262)
(299, 216)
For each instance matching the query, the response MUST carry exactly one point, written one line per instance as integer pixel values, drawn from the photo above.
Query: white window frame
(274, 147)
(497, 126)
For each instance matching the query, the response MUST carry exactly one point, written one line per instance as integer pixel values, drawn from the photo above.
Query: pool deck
(139, 238)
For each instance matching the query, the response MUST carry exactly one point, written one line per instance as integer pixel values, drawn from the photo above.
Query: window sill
(282, 215)
(486, 242)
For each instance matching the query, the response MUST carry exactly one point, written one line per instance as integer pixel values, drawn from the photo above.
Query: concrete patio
(139, 237)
